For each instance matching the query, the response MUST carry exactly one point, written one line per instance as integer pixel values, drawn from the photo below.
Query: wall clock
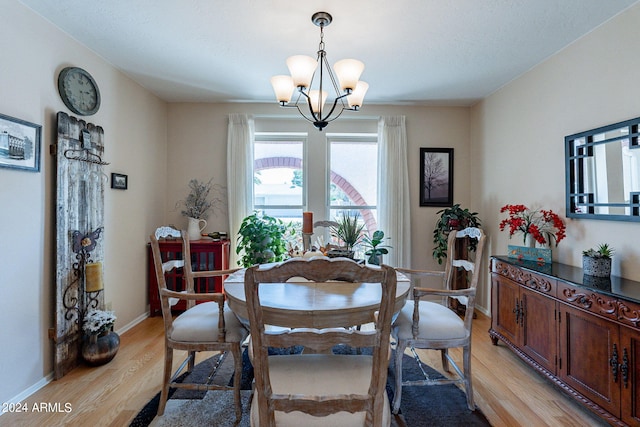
(79, 91)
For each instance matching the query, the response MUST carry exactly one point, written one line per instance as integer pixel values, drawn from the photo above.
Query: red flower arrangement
(544, 226)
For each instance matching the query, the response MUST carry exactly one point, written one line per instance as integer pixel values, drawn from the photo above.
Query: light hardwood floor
(507, 391)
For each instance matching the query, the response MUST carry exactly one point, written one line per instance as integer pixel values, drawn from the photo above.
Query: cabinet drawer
(624, 312)
(525, 278)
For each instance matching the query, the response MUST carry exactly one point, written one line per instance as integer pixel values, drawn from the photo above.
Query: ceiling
(416, 52)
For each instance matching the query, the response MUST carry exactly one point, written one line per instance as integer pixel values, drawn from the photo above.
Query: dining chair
(317, 387)
(433, 325)
(208, 325)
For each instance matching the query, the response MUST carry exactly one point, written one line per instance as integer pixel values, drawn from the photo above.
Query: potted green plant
(597, 262)
(376, 248)
(261, 240)
(347, 229)
(453, 218)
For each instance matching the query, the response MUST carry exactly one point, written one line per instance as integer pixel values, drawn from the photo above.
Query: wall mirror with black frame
(603, 172)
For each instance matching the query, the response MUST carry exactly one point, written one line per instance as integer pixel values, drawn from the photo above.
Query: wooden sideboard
(205, 255)
(580, 332)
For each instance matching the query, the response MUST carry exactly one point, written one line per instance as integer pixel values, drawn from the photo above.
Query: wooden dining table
(299, 303)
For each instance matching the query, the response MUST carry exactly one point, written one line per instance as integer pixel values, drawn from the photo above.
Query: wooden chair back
(320, 340)
(206, 327)
(459, 256)
(441, 327)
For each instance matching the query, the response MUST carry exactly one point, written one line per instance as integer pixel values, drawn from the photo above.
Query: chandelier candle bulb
(357, 96)
(317, 103)
(283, 87)
(301, 68)
(307, 222)
(93, 277)
(348, 72)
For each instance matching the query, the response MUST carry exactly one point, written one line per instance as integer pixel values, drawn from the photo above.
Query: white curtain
(239, 175)
(393, 189)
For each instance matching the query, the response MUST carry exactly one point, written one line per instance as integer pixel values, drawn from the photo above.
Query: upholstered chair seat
(319, 375)
(200, 323)
(436, 323)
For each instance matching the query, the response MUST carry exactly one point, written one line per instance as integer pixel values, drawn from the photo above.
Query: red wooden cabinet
(205, 255)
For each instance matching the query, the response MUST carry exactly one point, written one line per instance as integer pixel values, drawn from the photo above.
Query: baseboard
(483, 310)
(133, 323)
(46, 380)
(29, 391)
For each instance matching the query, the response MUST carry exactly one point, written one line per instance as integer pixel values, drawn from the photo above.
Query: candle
(93, 277)
(307, 222)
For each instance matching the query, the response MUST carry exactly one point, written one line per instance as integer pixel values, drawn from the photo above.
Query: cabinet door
(539, 331)
(629, 360)
(587, 345)
(505, 297)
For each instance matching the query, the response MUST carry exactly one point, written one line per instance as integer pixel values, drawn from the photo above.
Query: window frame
(353, 138)
(284, 136)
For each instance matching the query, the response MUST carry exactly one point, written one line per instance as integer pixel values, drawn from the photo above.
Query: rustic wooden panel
(79, 208)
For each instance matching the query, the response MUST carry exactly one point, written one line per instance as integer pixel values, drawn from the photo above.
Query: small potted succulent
(597, 262)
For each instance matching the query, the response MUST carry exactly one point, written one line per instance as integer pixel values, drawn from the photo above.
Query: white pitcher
(194, 228)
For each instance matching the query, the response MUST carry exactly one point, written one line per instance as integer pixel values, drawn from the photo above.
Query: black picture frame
(19, 144)
(436, 177)
(119, 181)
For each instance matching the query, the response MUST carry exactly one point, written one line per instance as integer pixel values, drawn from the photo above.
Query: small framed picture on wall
(119, 181)
(19, 144)
(436, 177)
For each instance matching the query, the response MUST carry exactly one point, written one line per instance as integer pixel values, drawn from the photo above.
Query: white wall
(33, 53)
(517, 138)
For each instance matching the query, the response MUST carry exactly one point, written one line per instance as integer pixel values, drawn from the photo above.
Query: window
(278, 178)
(353, 177)
(286, 182)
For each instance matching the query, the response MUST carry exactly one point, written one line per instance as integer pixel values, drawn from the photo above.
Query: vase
(529, 241)
(194, 228)
(100, 349)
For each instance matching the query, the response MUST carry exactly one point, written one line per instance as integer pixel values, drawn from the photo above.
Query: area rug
(437, 406)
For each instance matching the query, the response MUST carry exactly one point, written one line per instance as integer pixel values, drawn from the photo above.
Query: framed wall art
(436, 177)
(119, 181)
(19, 144)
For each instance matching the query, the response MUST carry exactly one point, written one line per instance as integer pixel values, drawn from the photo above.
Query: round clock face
(79, 91)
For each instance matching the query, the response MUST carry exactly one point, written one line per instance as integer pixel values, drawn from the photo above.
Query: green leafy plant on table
(376, 248)
(262, 240)
(349, 230)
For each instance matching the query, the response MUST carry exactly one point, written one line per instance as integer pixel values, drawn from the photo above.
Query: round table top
(304, 304)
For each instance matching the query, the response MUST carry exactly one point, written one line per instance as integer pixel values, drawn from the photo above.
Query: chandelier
(349, 90)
